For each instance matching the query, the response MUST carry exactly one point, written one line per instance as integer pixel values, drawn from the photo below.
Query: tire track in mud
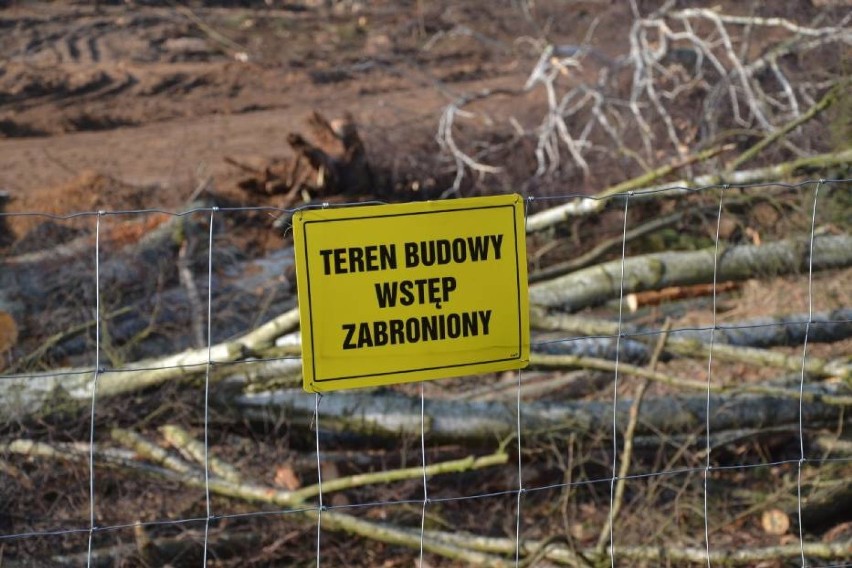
(70, 69)
(67, 73)
(86, 74)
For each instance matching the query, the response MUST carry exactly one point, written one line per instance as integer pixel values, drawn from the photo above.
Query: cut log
(783, 330)
(329, 160)
(730, 343)
(66, 389)
(601, 283)
(586, 206)
(387, 414)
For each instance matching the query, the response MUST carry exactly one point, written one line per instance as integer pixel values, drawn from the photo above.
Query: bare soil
(127, 106)
(155, 95)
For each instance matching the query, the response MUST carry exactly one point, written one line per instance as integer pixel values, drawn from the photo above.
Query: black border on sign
(510, 206)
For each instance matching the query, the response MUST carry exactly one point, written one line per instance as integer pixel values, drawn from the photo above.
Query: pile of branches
(264, 391)
(331, 163)
(249, 370)
(690, 82)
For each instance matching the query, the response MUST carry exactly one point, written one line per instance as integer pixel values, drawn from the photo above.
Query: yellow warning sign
(410, 292)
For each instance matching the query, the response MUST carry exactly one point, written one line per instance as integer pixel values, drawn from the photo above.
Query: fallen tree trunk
(735, 346)
(582, 337)
(761, 357)
(782, 330)
(825, 327)
(49, 292)
(601, 283)
(387, 414)
(588, 205)
(64, 389)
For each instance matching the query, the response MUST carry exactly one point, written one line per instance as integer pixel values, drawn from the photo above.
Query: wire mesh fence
(687, 398)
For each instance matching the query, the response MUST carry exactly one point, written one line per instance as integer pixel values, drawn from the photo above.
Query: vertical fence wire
(94, 386)
(423, 464)
(520, 478)
(529, 201)
(802, 381)
(707, 469)
(707, 444)
(614, 477)
(320, 506)
(207, 383)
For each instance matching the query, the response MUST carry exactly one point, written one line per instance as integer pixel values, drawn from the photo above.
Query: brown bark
(329, 160)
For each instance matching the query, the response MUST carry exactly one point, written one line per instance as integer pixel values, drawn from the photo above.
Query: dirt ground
(112, 105)
(124, 106)
(160, 95)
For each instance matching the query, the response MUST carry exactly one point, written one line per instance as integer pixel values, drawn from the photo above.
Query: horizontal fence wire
(605, 481)
(675, 190)
(429, 499)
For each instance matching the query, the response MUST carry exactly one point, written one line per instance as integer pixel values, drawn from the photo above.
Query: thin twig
(192, 294)
(574, 362)
(629, 433)
(829, 99)
(592, 256)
